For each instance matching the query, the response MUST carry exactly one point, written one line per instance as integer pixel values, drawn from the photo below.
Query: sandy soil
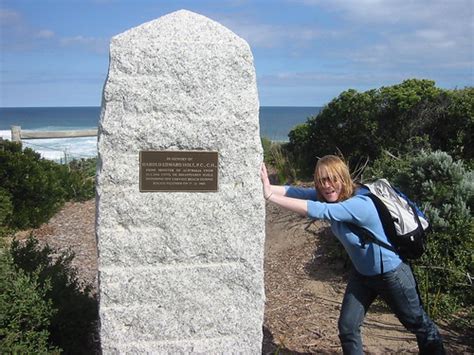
(304, 286)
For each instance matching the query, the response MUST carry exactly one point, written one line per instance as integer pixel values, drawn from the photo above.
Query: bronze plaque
(178, 171)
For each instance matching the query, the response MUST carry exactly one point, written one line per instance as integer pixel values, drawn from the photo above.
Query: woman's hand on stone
(267, 188)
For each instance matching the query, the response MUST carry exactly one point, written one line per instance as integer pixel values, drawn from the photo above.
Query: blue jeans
(398, 288)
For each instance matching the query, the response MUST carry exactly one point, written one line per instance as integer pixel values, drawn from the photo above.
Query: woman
(377, 270)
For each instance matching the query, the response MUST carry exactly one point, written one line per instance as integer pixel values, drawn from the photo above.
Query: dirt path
(304, 288)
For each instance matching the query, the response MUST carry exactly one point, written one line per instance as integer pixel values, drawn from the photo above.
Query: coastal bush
(266, 144)
(448, 122)
(6, 210)
(444, 188)
(73, 322)
(299, 141)
(461, 111)
(36, 192)
(36, 188)
(6, 206)
(25, 312)
(346, 124)
(275, 155)
(79, 179)
(399, 119)
(87, 167)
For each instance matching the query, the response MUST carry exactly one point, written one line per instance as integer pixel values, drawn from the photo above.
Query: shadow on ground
(269, 347)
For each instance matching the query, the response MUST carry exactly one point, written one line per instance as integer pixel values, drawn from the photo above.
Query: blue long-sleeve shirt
(359, 210)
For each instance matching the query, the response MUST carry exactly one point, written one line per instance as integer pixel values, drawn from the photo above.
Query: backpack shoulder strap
(387, 224)
(385, 217)
(367, 237)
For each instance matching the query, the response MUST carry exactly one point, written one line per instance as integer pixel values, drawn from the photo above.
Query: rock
(180, 272)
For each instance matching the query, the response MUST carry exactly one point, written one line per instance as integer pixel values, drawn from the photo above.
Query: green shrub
(276, 156)
(400, 119)
(74, 320)
(79, 179)
(6, 206)
(298, 147)
(43, 307)
(266, 145)
(6, 210)
(347, 124)
(25, 312)
(449, 121)
(36, 192)
(86, 167)
(36, 187)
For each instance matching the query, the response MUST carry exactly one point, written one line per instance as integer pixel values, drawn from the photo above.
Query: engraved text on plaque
(178, 171)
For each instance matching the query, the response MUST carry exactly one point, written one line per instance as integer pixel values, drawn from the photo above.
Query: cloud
(44, 34)
(398, 11)
(9, 17)
(92, 44)
(321, 79)
(19, 36)
(435, 20)
(52, 77)
(257, 34)
(13, 34)
(402, 34)
(264, 35)
(421, 49)
(11, 25)
(260, 35)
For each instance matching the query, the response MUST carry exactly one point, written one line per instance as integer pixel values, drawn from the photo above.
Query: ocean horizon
(275, 124)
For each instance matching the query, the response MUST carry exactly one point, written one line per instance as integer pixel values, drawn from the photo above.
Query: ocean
(275, 123)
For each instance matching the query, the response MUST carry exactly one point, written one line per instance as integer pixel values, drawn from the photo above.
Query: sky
(306, 52)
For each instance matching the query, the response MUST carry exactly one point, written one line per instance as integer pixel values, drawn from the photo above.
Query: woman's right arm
(269, 189)
(302, 193)
(277, 195)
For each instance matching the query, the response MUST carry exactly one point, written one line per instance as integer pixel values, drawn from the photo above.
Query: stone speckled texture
(180, 272)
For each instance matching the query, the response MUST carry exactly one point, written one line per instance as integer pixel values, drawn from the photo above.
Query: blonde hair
(335, 169)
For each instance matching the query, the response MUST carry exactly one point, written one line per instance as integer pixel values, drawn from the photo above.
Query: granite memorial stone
(180, 270)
